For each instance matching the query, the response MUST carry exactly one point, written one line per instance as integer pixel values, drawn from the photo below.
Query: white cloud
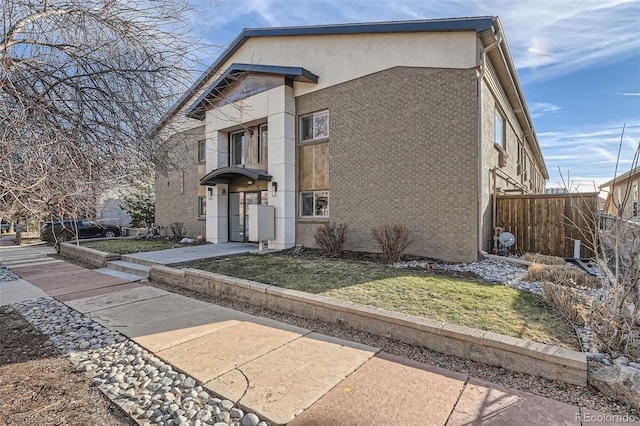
(629, 94)
(538, 109)
(589, 155)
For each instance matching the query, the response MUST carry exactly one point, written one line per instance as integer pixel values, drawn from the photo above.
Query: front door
(238, 214)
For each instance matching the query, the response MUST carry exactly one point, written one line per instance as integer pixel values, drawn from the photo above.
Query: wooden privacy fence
(548, 223)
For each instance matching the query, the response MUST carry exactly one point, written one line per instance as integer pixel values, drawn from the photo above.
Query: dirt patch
(40, 387)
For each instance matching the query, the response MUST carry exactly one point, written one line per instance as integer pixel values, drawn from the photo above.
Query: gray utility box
(262, 221)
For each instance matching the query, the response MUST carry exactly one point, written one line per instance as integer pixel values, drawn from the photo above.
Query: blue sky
(578, 62)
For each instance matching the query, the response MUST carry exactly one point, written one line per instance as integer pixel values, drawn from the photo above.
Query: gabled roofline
(235, 69)
(477, 24)
(622, 177)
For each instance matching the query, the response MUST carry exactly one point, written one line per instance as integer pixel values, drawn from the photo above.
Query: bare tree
(615, 242)
(82, 83)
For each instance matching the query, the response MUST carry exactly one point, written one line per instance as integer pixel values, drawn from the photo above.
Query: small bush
(568, 301)
(330, 238)
(392, 241)
(563, 275)
(544, 259)
(178, 230)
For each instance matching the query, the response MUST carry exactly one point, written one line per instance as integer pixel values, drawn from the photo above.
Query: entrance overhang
(227, 174)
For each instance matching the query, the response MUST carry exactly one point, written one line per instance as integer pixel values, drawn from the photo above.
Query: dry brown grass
(543, 259)
(568, 301)
(562, 275)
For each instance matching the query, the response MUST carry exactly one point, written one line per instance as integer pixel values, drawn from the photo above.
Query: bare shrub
(178, 230)
(568, 301)
(330, 238)
(562, 275)
(544, 259)
(392, 241)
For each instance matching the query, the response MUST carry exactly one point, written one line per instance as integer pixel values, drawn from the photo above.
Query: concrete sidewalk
(286, 374)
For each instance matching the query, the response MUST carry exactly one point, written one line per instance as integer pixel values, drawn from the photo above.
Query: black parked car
(53, 232)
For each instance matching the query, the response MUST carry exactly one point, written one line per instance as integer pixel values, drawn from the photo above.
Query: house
(623, 192)
(418, 123)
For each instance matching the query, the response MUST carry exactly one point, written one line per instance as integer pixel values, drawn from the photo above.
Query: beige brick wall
(177, 191)
(403, 149)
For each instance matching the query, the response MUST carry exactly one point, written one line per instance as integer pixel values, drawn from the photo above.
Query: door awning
(226, 174)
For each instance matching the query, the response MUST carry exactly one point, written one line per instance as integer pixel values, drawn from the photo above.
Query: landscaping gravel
(6, 275)
(144, 386)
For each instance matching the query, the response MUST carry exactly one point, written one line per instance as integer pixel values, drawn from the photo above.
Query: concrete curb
(514, 354)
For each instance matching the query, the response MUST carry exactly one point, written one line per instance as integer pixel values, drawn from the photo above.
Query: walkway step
(120, 274)
(129, 267)
(137, 260)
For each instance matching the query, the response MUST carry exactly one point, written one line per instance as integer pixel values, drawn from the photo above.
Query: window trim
(202, 151)
(500, 118)
(314, 215)
(202, 202)
(244, 148)
(261, 128)
(312, 116)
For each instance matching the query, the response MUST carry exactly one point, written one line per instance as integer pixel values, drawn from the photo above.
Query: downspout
(483, 60)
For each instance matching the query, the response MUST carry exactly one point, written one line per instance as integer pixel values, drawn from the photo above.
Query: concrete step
(129, 267)
(137, 261)
(122, 275)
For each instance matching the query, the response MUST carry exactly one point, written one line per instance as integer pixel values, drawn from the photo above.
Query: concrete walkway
(286, 374)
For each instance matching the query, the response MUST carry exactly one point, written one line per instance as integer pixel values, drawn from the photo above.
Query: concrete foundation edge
(511, 353)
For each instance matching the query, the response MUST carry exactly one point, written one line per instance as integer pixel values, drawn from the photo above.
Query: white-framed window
(237, 148)
(263, 143)
(202, 151)
(314, 126)
(314, 204)
(202, 206)
(500, 131)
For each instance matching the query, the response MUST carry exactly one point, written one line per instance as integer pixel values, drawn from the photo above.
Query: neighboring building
(623, 191)
(417, 123)
(556, 191)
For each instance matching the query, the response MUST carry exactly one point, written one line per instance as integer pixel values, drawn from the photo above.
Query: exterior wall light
(274, 186)
(210, 191)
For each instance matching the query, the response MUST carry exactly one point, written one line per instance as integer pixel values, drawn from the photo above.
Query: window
(263, 144)
(236, 148)
(202, 150)
(314, 204)
(500, 131)
(202, 206)
(314, 126)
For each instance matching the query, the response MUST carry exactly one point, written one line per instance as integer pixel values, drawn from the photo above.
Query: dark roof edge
(293, 73)
(210, 178)
(477, 24)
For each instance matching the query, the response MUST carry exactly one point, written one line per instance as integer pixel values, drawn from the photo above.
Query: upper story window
(202, 150)
(314, 126)
(500, 131)
(237, 148)
(263, 144)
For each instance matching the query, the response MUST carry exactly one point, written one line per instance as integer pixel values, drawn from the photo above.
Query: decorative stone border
(514, 354)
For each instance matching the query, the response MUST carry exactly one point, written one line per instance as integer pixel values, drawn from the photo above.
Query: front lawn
(477, 304)
(128, 246)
